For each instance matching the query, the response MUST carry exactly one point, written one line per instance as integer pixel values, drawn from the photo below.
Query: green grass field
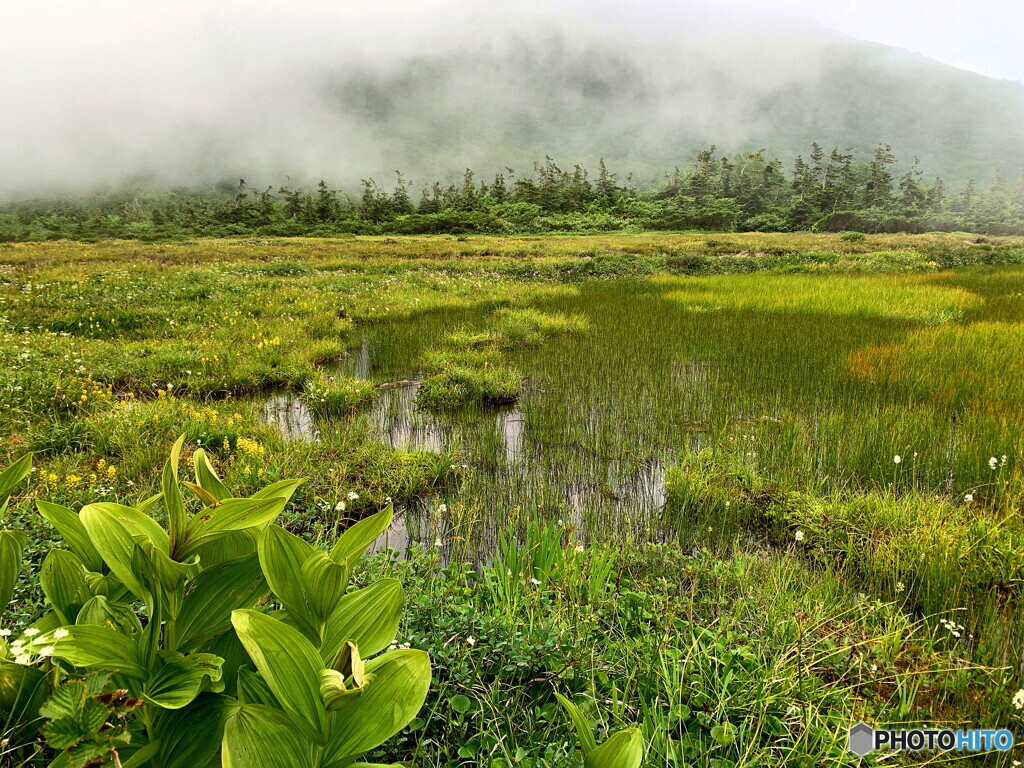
(740, 490)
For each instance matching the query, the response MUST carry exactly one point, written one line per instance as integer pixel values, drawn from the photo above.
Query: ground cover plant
(735, 491)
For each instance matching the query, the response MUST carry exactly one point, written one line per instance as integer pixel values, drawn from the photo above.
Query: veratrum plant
(23, 688)
(623, 749)
(169, 614)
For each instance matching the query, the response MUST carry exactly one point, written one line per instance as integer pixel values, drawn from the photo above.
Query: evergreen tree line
(825, 191)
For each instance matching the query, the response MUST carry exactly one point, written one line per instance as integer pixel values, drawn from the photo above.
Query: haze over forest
(348, 94)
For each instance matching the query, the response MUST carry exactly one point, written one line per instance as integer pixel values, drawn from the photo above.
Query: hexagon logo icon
(862, 738)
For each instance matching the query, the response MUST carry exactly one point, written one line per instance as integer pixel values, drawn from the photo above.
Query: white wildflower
(1018, 699)
(993, 463)
(59, 633)
(580, 548)
(31, 632)
(47, 651)
(535, 582)
(339, 507)
(968, 497)
(799, 536)
(897, 459)
(900, 586)
(352, 496)
(24, 659)
(470, 640)
(5, 633)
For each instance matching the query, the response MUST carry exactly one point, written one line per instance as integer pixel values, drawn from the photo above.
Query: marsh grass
(656, 398)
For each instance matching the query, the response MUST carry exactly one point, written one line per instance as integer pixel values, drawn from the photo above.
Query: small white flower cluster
(399, 646)
(33, 645)
(799, 536)
(968, 497)
(994, 463)
(897, 459)
(954, 629)
(1018, 699)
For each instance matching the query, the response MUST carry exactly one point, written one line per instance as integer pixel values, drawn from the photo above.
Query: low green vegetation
(733, 491)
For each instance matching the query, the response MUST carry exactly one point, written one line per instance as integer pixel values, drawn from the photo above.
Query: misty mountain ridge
(494, 99)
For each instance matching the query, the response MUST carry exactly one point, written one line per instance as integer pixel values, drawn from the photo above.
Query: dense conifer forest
(826, 190)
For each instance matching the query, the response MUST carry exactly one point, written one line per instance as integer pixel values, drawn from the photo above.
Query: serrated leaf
(63, 732)
(66, 701)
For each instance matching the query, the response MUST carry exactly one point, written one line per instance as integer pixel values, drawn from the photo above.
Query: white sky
(986, 36)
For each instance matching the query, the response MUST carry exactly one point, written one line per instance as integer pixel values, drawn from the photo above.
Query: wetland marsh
(769, 467)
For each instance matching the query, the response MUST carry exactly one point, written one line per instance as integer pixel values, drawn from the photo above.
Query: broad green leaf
(368, 617)
(282, 557)
(260, 737)
(214, 594)
(177, 680)
(12, 543)
(208, 499)
(400, 680)
(326, 581)
(147, 504)
(228, 647)
(584, 731)
(354, 541)
(190, 737)
(170, 574)
(104, 612)
(177, 517)
(22, 691)
(13, 475)
(94, 647)
(112, 529)
(283, 489)
(231, 515)
(218, 547)
(253, 689)
(206, 476)
(623, 749)
(65, 583)
(288, 662)
(139, 757)
(70, 527)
